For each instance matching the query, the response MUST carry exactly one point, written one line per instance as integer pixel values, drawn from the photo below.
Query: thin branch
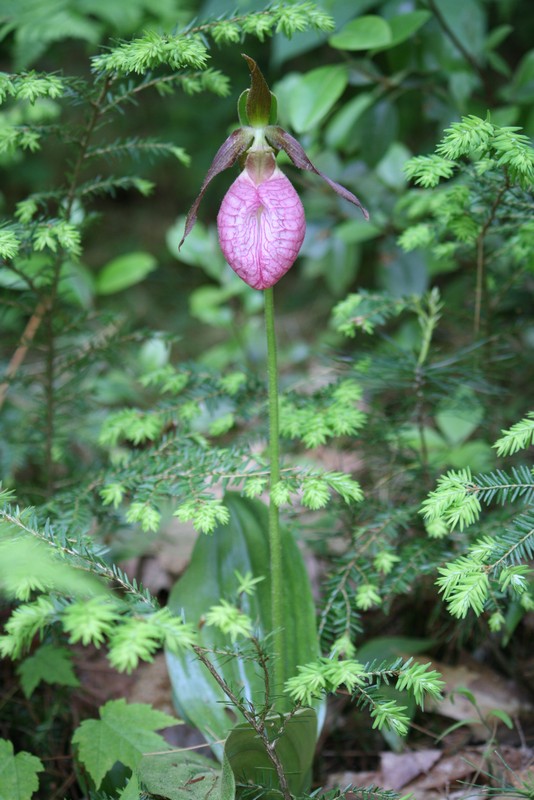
(24, 344)
(456, 41)
(258, 725)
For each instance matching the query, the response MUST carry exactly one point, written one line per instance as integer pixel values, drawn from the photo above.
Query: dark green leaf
(315, 94)
(405, 25)
(364, 33)
(240, 545)
(51, 664)
(295, 748)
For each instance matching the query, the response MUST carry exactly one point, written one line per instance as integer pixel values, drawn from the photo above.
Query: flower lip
(261, 225)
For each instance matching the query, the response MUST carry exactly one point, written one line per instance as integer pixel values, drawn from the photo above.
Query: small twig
(22, 349)
(480, 258)
(258, 725)
(183, 749)
(456, 41)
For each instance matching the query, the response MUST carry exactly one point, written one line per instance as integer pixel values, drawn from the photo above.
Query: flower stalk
(275, 539)
(261, 225)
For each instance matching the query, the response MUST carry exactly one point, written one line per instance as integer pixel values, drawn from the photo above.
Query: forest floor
(455, 749)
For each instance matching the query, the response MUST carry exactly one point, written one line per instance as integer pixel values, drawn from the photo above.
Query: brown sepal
(237, 143)
(280, 139)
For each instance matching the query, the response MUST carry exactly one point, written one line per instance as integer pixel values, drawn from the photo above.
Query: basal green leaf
(295, 747)
(242, 544)
(363, 33)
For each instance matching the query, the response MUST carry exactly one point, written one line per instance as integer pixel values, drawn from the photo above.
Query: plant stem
(275, 540)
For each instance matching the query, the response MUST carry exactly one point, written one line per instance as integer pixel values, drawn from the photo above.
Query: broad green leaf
(503, 716)
(77, 284)
(210, 304)
(405, 25)
(38, 268)
(354, 231)
(242, 544)
(476, 454)
(123, 733)
(186, 776)
(315, 94)
(363, 33)
(390, 169)
(18, 773)
(497, 35)
(340, 133)
(200, 249)
(460, 417)
(295, 748)
(377, 129)
(50, 664)
(467, 22)
(124, 271)
(521, 89)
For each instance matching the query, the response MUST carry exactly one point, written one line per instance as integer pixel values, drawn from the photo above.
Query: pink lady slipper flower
(261, 220)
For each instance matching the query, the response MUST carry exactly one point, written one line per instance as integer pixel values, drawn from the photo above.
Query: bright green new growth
(496, 564)
(188, 49)
(363, 682)
(484, 143)
(518, 437)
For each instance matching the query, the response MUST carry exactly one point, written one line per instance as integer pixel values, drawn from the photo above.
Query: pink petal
(261, 228)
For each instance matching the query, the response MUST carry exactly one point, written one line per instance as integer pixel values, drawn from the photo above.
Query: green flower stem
(275, 540)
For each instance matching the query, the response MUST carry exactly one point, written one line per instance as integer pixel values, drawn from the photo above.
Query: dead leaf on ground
(433, 775)
(490, 690)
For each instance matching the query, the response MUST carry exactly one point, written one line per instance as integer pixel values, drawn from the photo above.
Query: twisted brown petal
(280, 139)
(237, 143)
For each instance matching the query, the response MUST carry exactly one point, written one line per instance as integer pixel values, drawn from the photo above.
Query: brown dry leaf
(489, 689)
(449, 771)
(344, 779)
(174, 549)
(398, 769)
(427, 774)
(152, 685)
